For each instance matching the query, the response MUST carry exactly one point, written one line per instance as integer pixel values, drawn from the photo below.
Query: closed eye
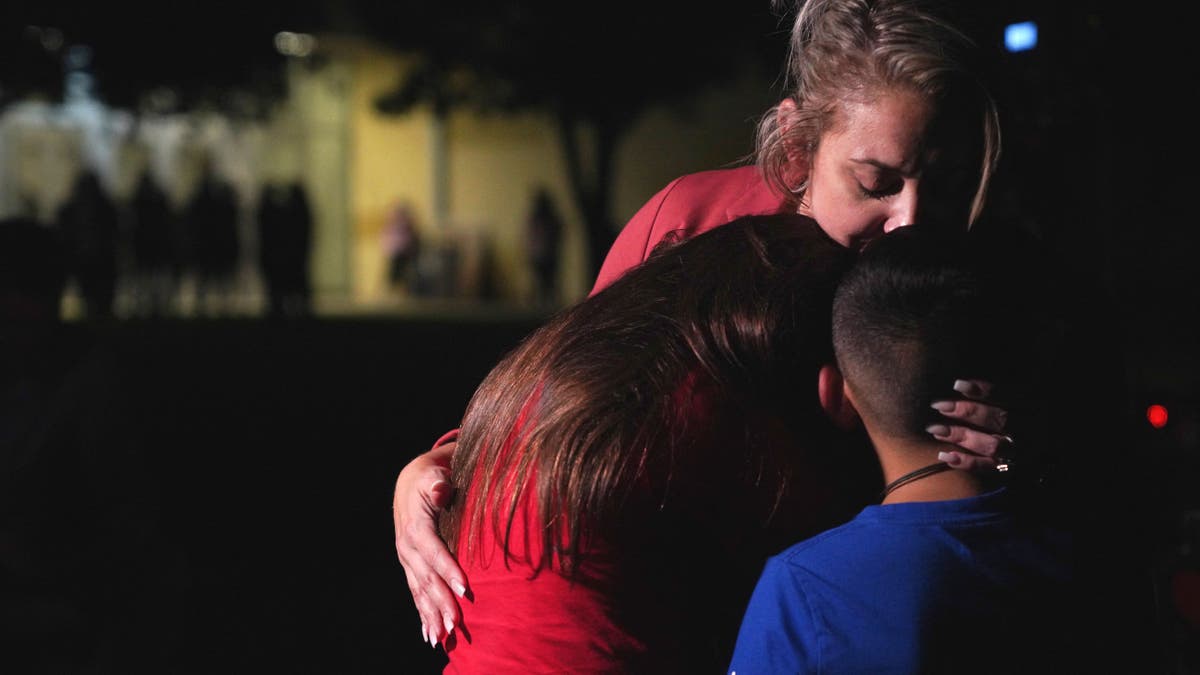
(880, 193)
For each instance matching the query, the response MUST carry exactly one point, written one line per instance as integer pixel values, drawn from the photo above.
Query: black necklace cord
(911, 476)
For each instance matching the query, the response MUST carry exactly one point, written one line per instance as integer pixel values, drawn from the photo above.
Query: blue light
(1020, 37)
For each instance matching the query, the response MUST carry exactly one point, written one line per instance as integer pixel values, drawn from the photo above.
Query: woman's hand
(434, 577)
(976, 426)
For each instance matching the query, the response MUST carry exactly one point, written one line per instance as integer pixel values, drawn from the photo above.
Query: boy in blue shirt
(953, 571)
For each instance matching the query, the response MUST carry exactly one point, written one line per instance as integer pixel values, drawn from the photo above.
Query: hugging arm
(423, 489)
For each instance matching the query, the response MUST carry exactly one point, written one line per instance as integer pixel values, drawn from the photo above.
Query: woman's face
(889, 163)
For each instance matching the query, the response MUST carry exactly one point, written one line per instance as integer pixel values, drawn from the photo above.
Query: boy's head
(919, 309)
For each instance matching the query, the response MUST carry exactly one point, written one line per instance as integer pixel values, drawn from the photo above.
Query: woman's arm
(434, 578)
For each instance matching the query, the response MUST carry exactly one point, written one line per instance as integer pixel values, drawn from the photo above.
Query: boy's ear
(831, 390)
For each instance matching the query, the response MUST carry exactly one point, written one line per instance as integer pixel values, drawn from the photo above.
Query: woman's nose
(904, 210)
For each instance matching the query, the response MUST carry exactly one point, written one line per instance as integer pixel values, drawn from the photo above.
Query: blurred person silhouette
(893, 589)
(90, 580)
(402, 246)
(89, 224)
(212, 226)
(543, 236)
(285, 246)
(153, 248)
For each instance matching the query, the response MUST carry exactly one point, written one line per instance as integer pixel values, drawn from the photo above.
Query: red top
(516, 621)
(628, 617)
(686, 207)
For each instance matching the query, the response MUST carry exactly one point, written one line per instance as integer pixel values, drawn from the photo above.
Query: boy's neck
(899, 458)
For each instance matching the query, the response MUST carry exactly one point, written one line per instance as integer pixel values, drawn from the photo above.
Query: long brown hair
(600, 402)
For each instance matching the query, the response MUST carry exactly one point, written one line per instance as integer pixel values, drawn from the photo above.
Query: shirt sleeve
(779, 630)
(634, 242)
(448, 437)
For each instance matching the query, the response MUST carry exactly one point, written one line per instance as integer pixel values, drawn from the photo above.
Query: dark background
(217, 493)
(264, 453)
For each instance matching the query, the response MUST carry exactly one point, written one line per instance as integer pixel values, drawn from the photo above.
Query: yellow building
(471, 179)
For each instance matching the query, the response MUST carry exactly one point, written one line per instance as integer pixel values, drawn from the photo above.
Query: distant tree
(595, 68)
(202, 55)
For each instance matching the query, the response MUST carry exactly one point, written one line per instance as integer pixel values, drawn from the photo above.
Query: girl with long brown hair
(664, 420)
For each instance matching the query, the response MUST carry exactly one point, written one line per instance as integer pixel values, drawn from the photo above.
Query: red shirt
(521, 621)
(686, 207)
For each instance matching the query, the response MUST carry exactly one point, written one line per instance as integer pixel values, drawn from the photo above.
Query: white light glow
(295, 44)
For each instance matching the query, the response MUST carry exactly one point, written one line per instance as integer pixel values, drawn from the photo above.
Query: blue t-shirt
(953, 586)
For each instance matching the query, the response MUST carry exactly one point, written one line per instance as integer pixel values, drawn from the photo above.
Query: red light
(1157, 415)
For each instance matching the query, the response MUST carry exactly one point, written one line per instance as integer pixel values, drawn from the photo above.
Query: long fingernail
(964, 387)
(433, 638)
(424, 632)
(938, 430)
(449, 623)
(458, 588)
(949, 458)
(942, 406)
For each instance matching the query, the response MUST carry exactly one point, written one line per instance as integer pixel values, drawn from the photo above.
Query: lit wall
(388, 166)
(491, 166)
(488, 169)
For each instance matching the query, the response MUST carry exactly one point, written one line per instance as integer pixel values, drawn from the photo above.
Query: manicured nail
(424, 632)
(938, 430)
(949, 458)
(458, 588)
(433, 637)
(943, 406)
(449, 623)
(964, 387)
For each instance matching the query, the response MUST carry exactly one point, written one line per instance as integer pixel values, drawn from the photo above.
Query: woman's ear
(798, 158)
(835, 399)
(785, 109)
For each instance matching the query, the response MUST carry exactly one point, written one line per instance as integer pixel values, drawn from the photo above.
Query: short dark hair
(920, 308)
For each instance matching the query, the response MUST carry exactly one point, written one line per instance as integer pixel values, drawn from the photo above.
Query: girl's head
(886, 123)
(693, 374)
